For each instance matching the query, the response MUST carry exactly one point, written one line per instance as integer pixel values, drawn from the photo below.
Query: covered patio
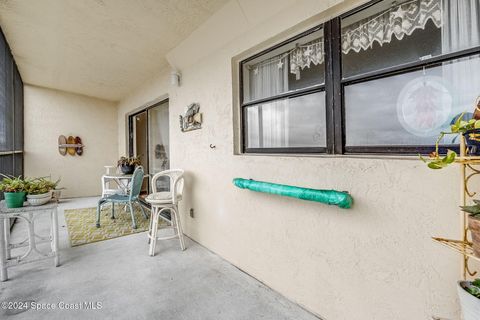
(115, 279)
(238, 159)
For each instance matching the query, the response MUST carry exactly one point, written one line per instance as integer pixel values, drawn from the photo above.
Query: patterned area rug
(82, 229)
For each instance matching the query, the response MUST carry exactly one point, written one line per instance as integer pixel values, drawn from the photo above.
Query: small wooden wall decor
(71, 145)
(192, 118)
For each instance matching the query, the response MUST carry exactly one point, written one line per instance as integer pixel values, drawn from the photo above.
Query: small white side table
(28, 214)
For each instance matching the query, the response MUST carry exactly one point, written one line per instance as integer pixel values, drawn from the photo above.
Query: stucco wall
(50, 113)
(375, 261)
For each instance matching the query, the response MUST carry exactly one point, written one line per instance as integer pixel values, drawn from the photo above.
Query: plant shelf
(468, 160)
(463, 247)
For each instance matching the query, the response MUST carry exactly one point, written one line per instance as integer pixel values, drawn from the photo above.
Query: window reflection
(412, 108)
(295, 122)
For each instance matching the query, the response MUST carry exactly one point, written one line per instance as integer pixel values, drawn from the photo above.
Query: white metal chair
(163, 202)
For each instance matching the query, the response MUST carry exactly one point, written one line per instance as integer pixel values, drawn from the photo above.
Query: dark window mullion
(399, 149)
(333, 87)
(285, 95)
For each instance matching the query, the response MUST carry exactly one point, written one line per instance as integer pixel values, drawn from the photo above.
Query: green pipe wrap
(332, 197)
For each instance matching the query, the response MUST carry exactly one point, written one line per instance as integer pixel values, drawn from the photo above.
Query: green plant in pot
(14, 190)
(128, 164)
(469, 294)
(470, 129)
(39, 190)
(474, 224)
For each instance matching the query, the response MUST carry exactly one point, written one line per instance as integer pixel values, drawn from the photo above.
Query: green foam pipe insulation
(332, 197)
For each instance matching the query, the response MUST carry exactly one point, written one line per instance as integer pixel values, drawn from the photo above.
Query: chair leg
(150, 222)
(179, 227)
(99, 206)
(153, 234)
(173, 223)
(134, 225)
(143, 211)
(113, 210)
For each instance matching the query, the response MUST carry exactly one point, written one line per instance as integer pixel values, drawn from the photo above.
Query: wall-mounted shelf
(71, 145)
(468, 160)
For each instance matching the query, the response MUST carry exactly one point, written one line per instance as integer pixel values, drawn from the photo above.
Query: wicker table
(28, 214)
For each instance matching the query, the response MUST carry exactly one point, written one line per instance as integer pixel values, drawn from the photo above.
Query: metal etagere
(468, 170)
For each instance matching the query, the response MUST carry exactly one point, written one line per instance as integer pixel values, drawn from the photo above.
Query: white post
(55, 236)
(3, 252)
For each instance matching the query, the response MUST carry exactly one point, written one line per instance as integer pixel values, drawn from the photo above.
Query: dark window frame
(334, 93)
(285, 95)
(11, 155)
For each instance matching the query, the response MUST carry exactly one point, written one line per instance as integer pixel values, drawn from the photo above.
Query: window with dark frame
(283, 97)
(390, 77)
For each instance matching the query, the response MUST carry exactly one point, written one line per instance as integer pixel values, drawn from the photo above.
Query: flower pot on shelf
(127, 169)
(39, 199)
(14, 199)
(474, 226)
(469, 303)
(472, 141)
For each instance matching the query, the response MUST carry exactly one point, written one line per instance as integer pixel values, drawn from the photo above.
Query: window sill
(334, 156)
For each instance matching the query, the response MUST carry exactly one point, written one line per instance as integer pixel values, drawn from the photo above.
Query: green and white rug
(82, 229)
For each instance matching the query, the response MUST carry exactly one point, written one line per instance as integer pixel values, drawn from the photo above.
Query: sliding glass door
(149, 140)
(159, 144)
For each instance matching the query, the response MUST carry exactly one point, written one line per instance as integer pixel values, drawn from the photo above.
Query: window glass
(391, 33)
(287, 123)
(296, 65)
(411, 108)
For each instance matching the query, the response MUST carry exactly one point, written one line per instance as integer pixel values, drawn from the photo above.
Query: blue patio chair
(128, 199)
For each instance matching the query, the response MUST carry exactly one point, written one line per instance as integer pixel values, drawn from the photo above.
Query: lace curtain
(397, 22)
(303, 56)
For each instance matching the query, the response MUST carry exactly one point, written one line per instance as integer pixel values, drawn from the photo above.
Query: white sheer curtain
(461, 24)
(461, 30)
(268, 123)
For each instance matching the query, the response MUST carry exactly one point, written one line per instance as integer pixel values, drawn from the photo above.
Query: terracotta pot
(474, 226)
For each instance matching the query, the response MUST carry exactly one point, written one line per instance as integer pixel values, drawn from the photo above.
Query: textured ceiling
(100, 48)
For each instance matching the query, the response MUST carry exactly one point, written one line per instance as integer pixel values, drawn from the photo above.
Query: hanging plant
(470, 129)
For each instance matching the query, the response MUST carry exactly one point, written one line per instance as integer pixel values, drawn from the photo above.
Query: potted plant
(469, 294)
(39, 190)
(13, 189)
(474, 224)
(128, 164)
(470, 129)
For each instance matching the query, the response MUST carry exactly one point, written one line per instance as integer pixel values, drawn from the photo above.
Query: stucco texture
(50, 113)
(375, 261)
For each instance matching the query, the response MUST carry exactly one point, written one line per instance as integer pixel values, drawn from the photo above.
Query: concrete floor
(129, 284)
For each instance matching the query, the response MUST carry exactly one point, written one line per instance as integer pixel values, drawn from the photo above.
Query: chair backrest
(137, 181)
(176, 182)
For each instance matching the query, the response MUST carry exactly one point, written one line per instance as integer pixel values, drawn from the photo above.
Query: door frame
(128, 137)
(129, 129)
